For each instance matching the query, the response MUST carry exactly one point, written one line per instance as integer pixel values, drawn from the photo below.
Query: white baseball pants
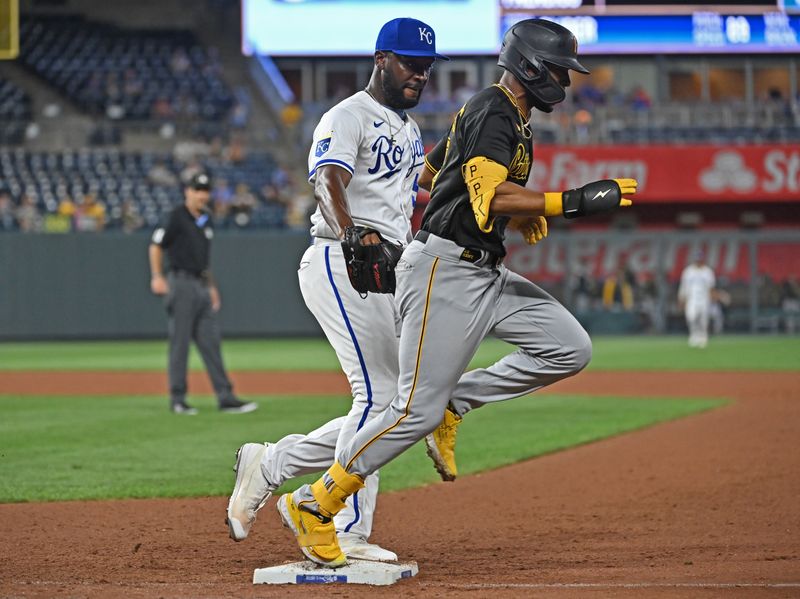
(364, 334)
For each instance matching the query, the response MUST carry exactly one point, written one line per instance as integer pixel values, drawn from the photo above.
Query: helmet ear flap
(536, 78)
(533, 69)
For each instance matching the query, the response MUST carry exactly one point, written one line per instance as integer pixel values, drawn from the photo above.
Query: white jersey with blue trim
(384, 154)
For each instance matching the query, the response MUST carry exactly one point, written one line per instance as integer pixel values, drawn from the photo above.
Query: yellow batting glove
(533, 228)
(627, 187)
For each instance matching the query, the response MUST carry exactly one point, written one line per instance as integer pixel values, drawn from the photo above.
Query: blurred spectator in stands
(161, 174)
(90, 214)
(8, 220)
(279, 191)
(221, 200)
(639, 99)
(130, 216)
(790, 303)
(28, 216)
(242, 205)
(618, 291)
(291, 117)
(236, 151)
(132, 84)
(179, 63)
(584, 293)
(589, 96)
(720, 300)
(185, 105)
(272, 195)
(66, 207)
(162, 109)
(646, 294)
(583, 122)
(191, 153)
(240, 112)
(239, 115)
(301, 205)
(769, 292)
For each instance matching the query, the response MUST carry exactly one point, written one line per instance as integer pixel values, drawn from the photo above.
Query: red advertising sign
(676, 173)
(596, 258)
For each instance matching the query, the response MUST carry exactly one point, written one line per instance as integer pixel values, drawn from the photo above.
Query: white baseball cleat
(251, 491)
(356, 547)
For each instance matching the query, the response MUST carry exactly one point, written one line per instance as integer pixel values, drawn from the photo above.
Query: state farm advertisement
(729, 257)
(676, 173)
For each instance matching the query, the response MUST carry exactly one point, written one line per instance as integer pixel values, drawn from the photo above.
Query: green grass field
(58, 448)
(116, 447)
(610, 353)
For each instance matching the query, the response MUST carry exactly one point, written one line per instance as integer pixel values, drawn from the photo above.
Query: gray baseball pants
(448, 307)
(191, 318)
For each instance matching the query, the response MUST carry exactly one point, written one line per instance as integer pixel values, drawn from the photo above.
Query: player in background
(695, 297)
(364, 163)
(452, 289)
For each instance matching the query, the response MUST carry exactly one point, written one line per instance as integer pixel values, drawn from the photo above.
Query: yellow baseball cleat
(441, 444)
(316, 534)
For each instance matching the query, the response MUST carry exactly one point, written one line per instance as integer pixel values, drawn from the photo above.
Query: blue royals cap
(408, 37)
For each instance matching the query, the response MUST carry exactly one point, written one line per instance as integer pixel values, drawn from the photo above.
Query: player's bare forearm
(425, 178)
(511, 199)
(330, 191)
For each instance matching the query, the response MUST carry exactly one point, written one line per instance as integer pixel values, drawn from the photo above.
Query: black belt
(193, 274)
(473, 255)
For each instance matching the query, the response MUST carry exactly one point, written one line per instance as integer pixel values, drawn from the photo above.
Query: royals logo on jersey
(323, 145)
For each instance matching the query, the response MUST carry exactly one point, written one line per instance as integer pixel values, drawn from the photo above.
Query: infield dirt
(705, 506)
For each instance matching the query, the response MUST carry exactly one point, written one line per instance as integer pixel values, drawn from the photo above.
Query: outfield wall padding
(98, 286)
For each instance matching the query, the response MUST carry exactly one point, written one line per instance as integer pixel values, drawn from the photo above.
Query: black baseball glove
(370, 267)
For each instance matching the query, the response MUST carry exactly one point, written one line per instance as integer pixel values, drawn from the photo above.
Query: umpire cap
(531, 43)
(200, 181)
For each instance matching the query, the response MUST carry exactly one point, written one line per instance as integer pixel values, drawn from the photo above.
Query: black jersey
(489, 125)
(187, 240)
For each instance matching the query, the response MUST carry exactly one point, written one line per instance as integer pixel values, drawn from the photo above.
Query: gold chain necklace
(523, 121)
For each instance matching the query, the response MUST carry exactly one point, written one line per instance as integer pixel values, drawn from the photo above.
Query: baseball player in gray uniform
(364, 163)
(452, 288)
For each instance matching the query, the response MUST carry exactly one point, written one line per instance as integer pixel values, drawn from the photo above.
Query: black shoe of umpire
(182, 407)
(234, 406)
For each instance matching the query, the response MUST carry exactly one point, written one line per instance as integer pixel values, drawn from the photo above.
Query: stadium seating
(15, 112)
(125, 73)
(113, 177)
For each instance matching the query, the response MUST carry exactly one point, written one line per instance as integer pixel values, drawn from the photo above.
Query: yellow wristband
(553, 203)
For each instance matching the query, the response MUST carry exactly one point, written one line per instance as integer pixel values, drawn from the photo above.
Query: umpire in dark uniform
(192, 299)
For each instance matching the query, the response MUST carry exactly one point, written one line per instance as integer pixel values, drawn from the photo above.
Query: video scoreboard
(349, 27)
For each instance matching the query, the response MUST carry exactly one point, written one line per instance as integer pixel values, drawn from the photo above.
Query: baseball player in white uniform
(694, 294)
(364, 163)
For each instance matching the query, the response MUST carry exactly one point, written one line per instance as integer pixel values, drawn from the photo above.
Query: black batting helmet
(527, 45)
